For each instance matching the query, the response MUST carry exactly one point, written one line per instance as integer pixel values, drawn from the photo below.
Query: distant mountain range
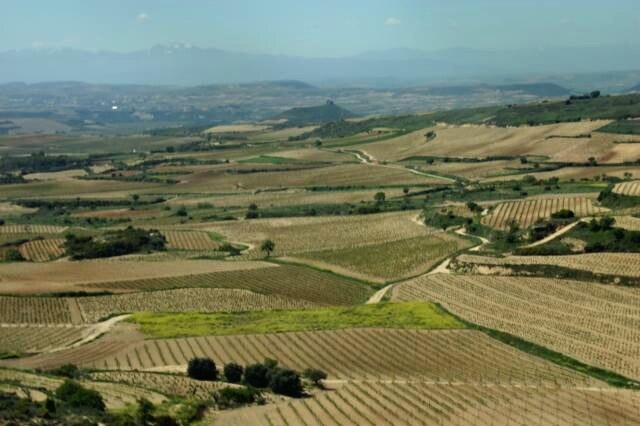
(182, 64)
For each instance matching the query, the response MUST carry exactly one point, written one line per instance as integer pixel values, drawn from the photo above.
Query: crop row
(628, 188)
(30, 339)
(190, 240)
(31, 229)
(597, 324)
(527, 212)
(42, 250)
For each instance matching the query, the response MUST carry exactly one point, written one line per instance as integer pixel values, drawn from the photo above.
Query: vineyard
(285, 280)
(391, 260)
(629, 223)
(371, 354)
(190, 240)
(42, 250)
(527, 212)
(35, 310)
(628, 188)
(424, 403)
(617, 264)
(30, 339)
(299, 235)
(596, 324)
(98, 308)
(31, 229)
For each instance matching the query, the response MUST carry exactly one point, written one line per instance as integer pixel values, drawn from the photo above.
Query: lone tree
(268, 247)
(202, 369)
(379, 197)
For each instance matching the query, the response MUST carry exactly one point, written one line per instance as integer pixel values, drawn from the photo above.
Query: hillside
(327, 113)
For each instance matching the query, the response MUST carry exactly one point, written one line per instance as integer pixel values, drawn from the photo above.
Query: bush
(202, 369)
(256, 375)
(74, 395)
(233, 372)
(563, 214)
(68, 370)
(13, 255)
(114, 243)
(315, 376)
(286, 382)
(234, 397)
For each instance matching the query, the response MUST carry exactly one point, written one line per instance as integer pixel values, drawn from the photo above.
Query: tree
(591, 161)
(13, 255)
(202, 369)
(607, 223)
(405, 190)
(315, 376)
(268, 247)
(233, 372)
(256, 375)
(595, 94)
(286, 382)
(182, 211)
(380, 197)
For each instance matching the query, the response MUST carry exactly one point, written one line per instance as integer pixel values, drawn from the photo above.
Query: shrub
(202, 369)
(256, 375)
(182, 211)
(234, 397)
(315, 376)
(233, 372)
(114, 243)
(75, 395)
(13, 255)
(285, 382)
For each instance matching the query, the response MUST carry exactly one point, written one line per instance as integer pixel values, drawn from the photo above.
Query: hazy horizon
(332, 29)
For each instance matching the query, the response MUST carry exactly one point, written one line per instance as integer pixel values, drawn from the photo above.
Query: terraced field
(527, 212)
(31, 229)
(617, 264)
(35, 310)
(596, 324)
(42, 250)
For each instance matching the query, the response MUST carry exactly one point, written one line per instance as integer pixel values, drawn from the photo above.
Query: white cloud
(391, 21)
(143, 18)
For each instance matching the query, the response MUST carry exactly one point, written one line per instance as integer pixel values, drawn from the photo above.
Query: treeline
(39, 162)
(114, 243)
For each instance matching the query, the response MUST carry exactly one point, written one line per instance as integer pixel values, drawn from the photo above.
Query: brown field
(423, 403)
(238, 128)
(568, 173)
(628, 188)
(63, 175)
(10, 208)
(280, 135)
(354, 354)
(31, 278)
(315, 154)
(291, 197)
(289, 281)
(347, 174)
(481, 170)
(78, 188)
(120, 213)
(95, 309)
(481, 141)
(33, 339)
(527, 212)
(299, 235)
(620, 264)
(190, 240)
(596, 324)
(42, 250)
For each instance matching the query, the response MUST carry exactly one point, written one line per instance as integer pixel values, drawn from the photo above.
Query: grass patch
(412, 315)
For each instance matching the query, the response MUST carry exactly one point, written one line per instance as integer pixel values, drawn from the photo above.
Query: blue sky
(317, 28)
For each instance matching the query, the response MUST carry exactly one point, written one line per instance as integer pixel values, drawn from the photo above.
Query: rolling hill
(327, 113)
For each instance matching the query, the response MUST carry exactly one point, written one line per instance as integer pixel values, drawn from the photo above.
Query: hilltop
(327, 113)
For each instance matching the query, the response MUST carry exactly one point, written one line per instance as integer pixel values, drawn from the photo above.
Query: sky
(317, 28)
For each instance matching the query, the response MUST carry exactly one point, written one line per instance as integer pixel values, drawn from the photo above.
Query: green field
(413, 315)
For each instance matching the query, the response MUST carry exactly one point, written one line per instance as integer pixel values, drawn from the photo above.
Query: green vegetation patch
(624, 127)
(413, 315)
